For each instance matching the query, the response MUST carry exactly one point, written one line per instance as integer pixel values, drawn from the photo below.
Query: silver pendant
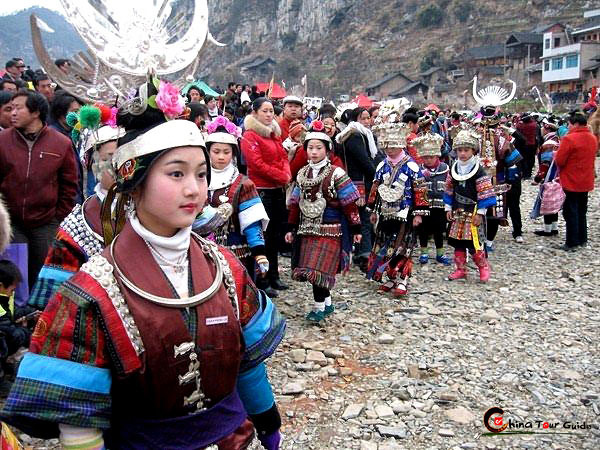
(223, 198)
(179, 269)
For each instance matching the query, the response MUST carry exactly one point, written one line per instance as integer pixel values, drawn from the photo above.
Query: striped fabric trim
(65, 373)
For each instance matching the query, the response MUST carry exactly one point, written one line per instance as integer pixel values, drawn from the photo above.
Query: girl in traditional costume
(243, 232)
(159, 341)
(435, 172)
(469, 193)
(323, 196)
(396, 201)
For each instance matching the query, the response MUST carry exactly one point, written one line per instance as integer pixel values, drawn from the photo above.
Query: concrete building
(571, 58)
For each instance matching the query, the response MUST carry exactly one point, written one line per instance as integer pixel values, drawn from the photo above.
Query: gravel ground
(421, 372)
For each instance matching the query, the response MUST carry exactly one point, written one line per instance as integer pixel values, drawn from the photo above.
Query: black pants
(550, 218)
(274, 203)
(513, 201)
(38, 241)
(320, 293)
(366, 230)
(528, 160)
(574, 213)
(434, 223)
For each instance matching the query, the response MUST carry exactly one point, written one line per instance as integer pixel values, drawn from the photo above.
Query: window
(547, 43)
(556, 42)
(572, 61)
(546, 65)
(557, 64)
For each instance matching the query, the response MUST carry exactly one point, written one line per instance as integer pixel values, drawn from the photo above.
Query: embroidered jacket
(398, 189)
(102, 353)
(78, 238)
(435, 181)
(470, 192)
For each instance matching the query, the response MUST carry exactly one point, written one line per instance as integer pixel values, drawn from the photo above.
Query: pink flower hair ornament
(168, 100)
(221, 121)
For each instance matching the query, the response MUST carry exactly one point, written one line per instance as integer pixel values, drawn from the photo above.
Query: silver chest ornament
(313, 209)
(394, 191)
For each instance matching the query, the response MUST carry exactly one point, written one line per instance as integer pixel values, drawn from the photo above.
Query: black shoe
(279, 285)
(543, 232)
(272, 293)
(554, 233)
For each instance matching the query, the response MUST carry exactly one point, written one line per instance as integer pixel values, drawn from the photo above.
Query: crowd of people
(123, 221)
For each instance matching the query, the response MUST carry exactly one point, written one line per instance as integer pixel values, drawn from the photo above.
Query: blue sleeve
(255, 390)
(254, 234)
(486, 202)
(448, 200)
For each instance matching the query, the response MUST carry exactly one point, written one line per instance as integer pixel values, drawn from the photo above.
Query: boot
(482, 264)
(460, 262)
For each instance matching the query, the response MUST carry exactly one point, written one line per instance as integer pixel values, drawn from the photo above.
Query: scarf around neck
(220, 178)
(397, 159)
(464, 168)
(359, 127)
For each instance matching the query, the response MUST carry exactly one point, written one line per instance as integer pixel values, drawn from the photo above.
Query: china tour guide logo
(498, 425)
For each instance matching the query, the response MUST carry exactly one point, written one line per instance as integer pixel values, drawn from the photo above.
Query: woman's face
(365, 119)
(316, 150)
(174, 191)
(393, 152)
(105, 154)
(265, 113)
(220, 155)
(329, 124)
(464, 153)
(194, 95)
(212, 104)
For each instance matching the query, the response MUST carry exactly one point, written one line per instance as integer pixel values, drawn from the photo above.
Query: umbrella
(201, 85)
(432, 107)
(278, 91)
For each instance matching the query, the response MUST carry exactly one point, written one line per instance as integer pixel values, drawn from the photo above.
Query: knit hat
(429, 144)
(391, 134)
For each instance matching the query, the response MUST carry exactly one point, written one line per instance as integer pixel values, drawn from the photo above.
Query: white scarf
(220, 178)
(173, 249)
(365, 132)
(464, 168)
(315, 168)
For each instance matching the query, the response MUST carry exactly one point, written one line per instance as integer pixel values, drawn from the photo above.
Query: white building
(571, 58)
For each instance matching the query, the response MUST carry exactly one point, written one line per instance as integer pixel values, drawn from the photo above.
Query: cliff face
(344, 45)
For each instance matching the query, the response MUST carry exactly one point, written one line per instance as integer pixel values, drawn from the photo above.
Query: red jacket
(267, 161)
(284, 124)
(529, 131)
(575, 159)
(38, 179)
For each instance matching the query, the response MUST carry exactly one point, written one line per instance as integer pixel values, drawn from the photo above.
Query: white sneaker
(519, 239)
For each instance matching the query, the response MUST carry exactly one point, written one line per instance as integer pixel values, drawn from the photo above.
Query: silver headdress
(127, 42)
(493, 95)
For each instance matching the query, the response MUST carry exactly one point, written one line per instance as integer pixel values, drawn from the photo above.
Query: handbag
(553, 196)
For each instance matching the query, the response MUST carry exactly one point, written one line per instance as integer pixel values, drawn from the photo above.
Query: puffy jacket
(529, 130)
(37, 178)
(575, 159)
(355, 156)
(267, 161)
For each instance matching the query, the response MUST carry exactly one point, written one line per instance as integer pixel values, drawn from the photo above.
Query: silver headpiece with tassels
(126, 42)
(493, 95)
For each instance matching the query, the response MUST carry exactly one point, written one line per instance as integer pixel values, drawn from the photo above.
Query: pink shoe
(460, 262)
(483, 266)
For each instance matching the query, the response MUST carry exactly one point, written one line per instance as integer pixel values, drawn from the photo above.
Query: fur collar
(345, 134)
(251, 123)
(5, 230)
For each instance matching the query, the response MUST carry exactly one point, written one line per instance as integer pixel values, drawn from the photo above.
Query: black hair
(196, 88)
(356, 112)
(373, 108)
(455, 116)
(230, 84)
(256, 104)
(245, 86)
(577, 117)
(254, 89)
(229, 109)
(345, 117)
(208, 98)
(10, 63)
(38, 78)
(234, 148)
(6, 97)
(3, 82)
(410, 115)
(61, 61)
(327, 108)
(60, 106)
(9, 273)
(278, 110)
(35, 102)
(197, 109)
